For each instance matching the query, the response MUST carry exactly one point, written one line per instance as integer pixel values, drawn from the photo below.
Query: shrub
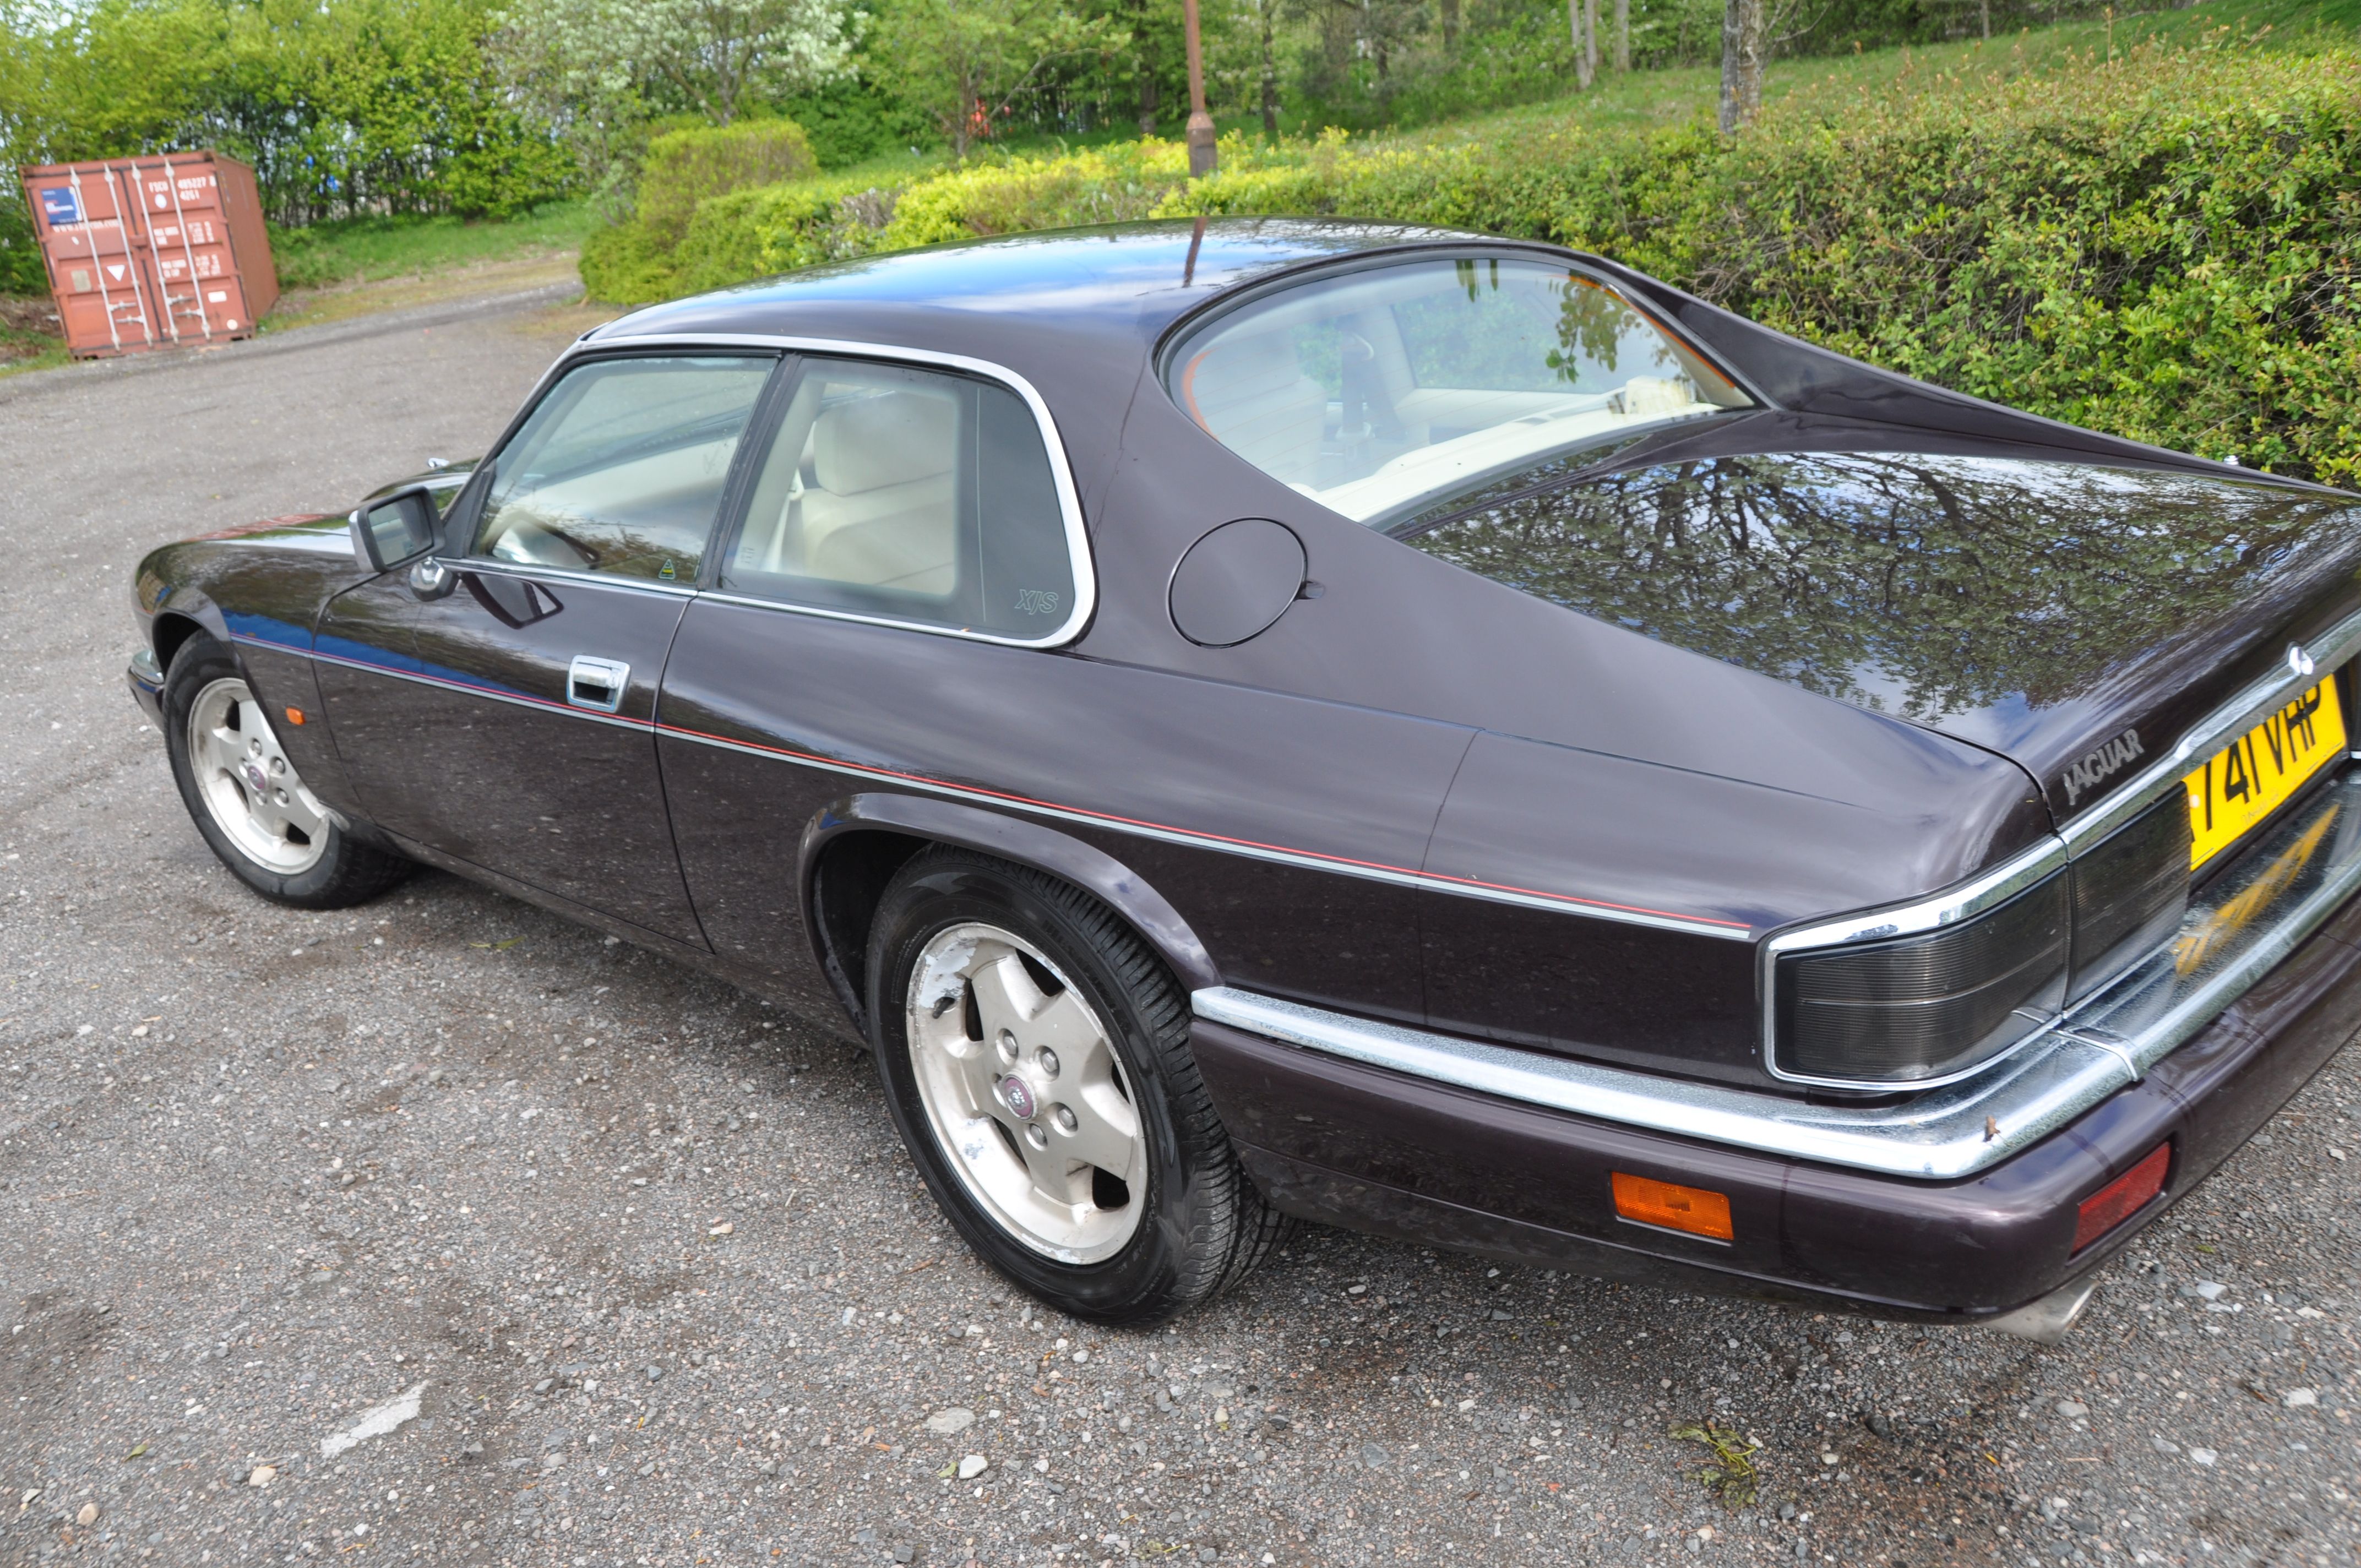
(2166, 246)
(686, 167)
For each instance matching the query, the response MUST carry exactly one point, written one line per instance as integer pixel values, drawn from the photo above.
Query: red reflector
(2121, 1199)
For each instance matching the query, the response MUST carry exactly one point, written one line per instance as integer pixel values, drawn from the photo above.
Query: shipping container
(149, 252)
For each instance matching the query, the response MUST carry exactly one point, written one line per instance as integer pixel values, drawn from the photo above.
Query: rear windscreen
(1380, 391)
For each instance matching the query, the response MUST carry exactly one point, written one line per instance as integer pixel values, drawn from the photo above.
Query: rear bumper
(1414, 1155)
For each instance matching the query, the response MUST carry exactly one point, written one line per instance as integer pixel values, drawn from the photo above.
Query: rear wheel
(249, 804)
(1035, 1054)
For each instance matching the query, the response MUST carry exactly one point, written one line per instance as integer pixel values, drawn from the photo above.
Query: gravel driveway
(440, 1231)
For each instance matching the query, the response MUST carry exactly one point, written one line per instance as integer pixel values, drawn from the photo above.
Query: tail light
(1925, 1006)
(2129, 893)
(1933, 1005)
(2119, 1200)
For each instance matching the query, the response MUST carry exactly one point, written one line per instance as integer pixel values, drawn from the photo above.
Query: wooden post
(1203, 156)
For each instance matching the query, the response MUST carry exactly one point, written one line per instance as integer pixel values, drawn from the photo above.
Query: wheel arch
(174, 626)
(853, 846)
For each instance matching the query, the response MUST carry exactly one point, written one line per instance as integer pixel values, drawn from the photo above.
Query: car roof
(1127, 275)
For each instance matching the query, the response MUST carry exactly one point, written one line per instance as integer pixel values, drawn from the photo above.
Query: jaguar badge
(2101, 764)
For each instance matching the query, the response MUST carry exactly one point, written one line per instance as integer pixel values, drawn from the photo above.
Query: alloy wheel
(247, 784)
(1025, 1093)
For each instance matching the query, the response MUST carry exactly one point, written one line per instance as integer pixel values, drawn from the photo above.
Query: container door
(526, 742)
(199, 296)
(105, 298)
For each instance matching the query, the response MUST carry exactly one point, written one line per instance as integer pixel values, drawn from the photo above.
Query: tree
(598, 59)
(961, 63)
(1745, 26)
(1265, 17)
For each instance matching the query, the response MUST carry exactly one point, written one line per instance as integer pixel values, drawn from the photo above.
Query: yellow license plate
(2255, 775)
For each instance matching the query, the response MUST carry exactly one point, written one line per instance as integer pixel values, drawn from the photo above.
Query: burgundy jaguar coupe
(1441, 736)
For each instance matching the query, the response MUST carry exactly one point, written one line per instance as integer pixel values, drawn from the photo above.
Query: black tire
(346, 872)
(1204, 1226)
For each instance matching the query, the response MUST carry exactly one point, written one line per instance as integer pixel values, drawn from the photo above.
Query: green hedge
(2167, 246)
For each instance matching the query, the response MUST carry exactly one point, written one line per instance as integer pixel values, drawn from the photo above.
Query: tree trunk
(1622, 35)
(1741, 61)
(1270, 74)
(1585, 53)
(1450, 25)
(1591, 37)
(1149, 97)
(1984, 15)
(963, 132)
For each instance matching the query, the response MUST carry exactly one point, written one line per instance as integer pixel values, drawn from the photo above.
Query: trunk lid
(2077, 618)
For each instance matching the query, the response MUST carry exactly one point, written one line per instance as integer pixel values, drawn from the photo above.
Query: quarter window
(911, 495)
(1381, 391)
(621, 469)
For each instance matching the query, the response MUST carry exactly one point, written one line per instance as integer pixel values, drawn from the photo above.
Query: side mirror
(395, 529)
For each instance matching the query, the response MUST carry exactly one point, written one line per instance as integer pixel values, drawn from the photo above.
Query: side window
(908, 495)
(620, 468)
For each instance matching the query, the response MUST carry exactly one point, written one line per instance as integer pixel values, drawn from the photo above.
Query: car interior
(861, 487)
(1377, 392)
(621, 470)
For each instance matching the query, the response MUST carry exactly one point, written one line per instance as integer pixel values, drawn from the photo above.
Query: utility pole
(1203, 154)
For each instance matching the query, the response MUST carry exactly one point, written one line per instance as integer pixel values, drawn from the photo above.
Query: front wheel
(1036, 1059)
(251, 807)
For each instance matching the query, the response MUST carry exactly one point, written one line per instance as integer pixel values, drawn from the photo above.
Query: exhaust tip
(2047, 1321)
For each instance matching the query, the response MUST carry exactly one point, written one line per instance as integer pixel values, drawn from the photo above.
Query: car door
(884, 492)
(526, 743)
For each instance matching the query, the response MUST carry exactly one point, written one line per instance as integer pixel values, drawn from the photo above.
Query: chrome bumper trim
(2246, 921)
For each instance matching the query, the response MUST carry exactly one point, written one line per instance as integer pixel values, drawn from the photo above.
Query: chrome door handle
(597, 684)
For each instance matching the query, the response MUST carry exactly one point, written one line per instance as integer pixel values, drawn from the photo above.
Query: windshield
(1384, 389)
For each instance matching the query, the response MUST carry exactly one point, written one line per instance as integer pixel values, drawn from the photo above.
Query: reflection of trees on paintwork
(1960, 581)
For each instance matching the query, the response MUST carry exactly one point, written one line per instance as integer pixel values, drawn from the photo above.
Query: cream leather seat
(883, 511)
(1251, 394)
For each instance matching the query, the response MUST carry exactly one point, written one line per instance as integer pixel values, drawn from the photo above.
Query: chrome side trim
(2276, 894)
(2328, 652)
(491, 565)
(1070, 503)
(1949, 907)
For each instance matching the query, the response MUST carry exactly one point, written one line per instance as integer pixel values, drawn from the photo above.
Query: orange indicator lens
(294, 716)
(2121, 1199)
(1674, 1207)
